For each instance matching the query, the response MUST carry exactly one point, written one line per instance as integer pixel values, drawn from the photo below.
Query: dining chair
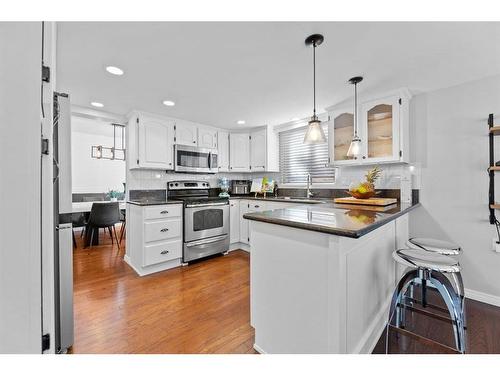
(104, 215)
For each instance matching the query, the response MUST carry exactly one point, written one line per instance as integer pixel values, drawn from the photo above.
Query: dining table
(85, 208)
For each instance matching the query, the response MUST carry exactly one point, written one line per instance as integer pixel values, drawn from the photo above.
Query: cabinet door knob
(164, 212)
(164, 230)
(165, 252)
(364, 157)
(194, 141)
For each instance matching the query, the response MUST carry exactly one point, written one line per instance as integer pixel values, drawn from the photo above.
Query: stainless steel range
(206, 219)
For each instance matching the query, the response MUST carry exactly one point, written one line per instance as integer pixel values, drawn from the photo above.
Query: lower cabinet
(154, 237)
(234, 221)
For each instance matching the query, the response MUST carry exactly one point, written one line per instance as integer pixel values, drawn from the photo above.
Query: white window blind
(298, 159)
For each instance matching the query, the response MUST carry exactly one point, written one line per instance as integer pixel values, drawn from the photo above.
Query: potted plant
(113, 195)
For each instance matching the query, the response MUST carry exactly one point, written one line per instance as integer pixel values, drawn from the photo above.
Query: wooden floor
(205, 308)
(202, 308)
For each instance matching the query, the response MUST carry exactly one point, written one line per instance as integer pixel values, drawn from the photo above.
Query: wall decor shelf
(493, 131)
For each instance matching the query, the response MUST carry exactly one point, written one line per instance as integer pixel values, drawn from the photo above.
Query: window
(298, 159)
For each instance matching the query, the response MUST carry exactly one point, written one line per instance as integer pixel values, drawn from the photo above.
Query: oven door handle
(207, 205)
(207, 241)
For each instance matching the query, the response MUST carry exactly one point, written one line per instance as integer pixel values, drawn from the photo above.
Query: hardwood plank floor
(202, 308)
(205, 308)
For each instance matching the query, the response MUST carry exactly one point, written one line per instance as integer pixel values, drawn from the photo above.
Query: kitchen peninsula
(321, 276)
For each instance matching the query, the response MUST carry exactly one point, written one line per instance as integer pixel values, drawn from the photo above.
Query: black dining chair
(78, 220)
(123, 219)
(104, 215)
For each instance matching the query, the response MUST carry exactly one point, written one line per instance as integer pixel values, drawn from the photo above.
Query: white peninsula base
(314, 292)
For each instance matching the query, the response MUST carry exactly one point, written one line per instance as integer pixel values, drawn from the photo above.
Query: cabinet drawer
(160, 212)
(162, 230)
(162, 252)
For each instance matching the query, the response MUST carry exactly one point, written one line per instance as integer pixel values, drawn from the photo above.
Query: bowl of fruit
(365, 189)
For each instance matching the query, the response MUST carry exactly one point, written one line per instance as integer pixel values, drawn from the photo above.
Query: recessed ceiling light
(114, 70)
(169, 103)
(97, 104)
(241, 122)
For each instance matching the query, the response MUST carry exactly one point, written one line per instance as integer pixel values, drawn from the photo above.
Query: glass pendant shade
(355, 147)
(314, 133)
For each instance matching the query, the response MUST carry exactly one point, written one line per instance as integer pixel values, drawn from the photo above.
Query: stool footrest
(429, 305)
(424, 340)
(426, 313)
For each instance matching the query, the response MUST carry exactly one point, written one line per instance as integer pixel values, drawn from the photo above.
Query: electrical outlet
(495, 245)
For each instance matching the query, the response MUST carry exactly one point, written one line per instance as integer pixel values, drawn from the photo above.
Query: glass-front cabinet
(383, 127)
(380, 119)
(340, 131)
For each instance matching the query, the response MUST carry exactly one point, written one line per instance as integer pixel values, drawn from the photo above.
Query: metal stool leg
(396, 301)
(454, 304)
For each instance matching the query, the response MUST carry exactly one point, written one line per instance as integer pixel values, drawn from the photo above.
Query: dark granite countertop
(154, 202)
(338, 219)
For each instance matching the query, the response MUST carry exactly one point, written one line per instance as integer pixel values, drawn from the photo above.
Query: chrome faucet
(309, 193)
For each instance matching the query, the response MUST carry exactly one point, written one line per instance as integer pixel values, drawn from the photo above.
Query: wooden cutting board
(368, 202)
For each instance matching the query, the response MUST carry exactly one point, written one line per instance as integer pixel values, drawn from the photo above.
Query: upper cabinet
(223, 150)
(239, 152)
(383, 127)
(258, 147)
(186, 133)
(150, 142)
(207, 137)
(264, 148)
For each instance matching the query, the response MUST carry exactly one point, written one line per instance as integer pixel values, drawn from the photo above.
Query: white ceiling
(218, 73)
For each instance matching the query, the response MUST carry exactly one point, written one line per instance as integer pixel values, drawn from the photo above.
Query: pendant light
(314, 133)
(355, 147)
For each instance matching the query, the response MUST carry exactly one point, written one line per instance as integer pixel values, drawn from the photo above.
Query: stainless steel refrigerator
(63, 236)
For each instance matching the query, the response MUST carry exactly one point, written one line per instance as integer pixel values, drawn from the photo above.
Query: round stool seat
(419, 258)
(434, 245)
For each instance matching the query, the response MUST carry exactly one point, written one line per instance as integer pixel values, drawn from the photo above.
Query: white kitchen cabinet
(207, 137)
(244, 208)
(239, 152)
(150, 141)
(186, 133)
(223, 149)
(234, 221)
(258, 147)
(154, 237)
(383, 126)
(264, 150)
(247, 206)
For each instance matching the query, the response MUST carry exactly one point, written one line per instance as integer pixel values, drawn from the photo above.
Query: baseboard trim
(258, 349)
(490, 299)
(239, 246)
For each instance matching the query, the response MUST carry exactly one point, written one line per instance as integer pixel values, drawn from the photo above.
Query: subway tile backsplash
(391, 178)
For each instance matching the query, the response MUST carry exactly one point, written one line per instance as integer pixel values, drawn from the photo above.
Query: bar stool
(425, 267)
(445, 248)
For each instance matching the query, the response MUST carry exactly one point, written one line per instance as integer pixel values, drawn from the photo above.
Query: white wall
(20, 189)
(450, 140)
(94, 175)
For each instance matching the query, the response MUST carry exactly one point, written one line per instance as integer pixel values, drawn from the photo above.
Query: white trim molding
(490, 299)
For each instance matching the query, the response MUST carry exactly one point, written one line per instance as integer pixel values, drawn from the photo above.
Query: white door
(234, 221)
(156, 143)
(186, 133)
(223, 148)
(258, 149)
(244, 208)
(239, 152)
(207, 137)
(380, 130)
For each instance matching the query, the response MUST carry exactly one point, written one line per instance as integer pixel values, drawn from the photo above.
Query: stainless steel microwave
(195, 159)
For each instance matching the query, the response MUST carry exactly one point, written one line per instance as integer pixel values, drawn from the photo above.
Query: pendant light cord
(314, 78)
(356, 110)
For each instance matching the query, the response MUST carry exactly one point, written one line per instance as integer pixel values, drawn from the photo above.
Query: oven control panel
(188, 185)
